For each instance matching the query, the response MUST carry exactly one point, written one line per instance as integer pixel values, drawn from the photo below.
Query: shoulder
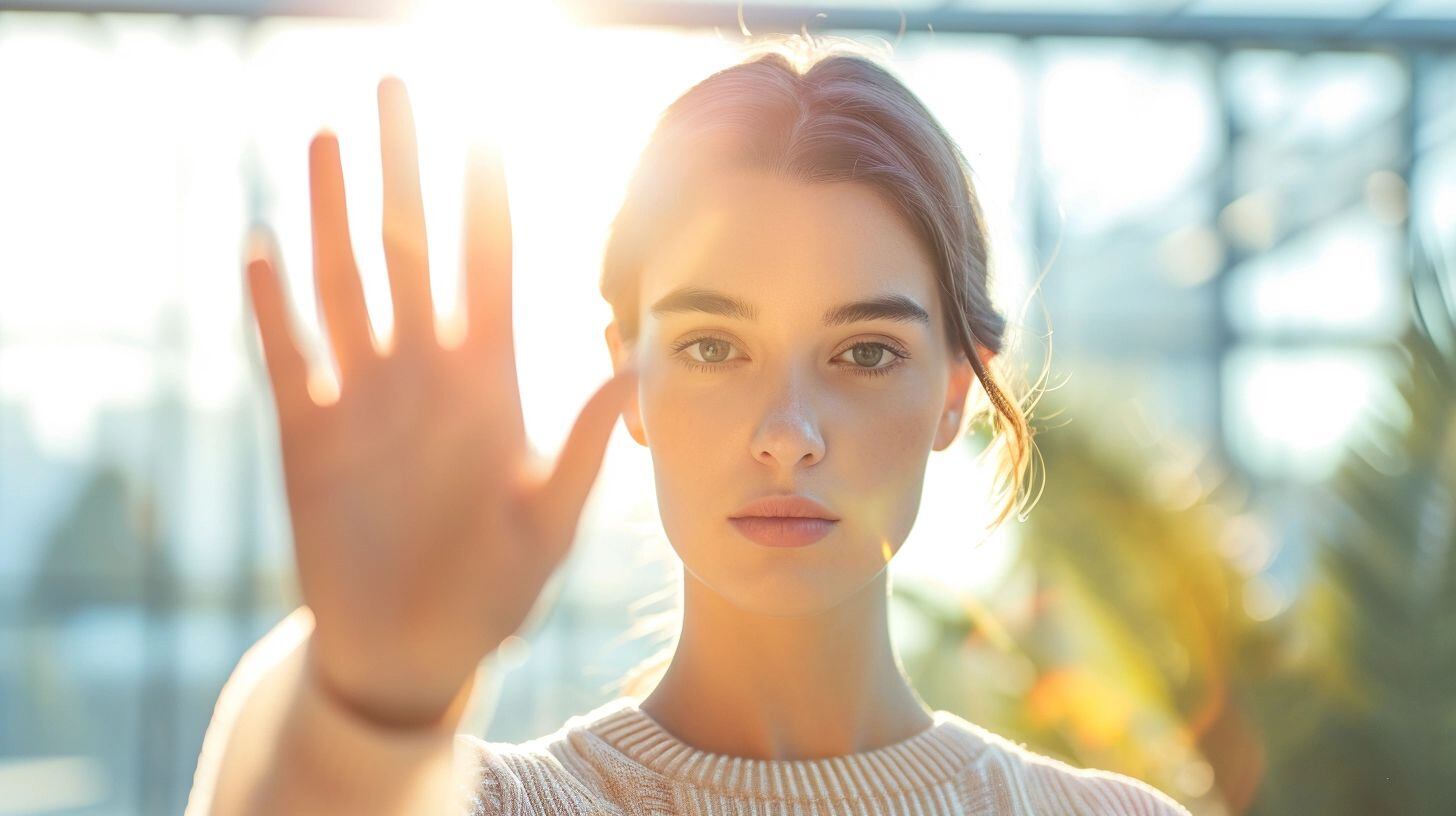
(487, 782)
(524, 779)
(1067, 789)
(563, 772)
(1050, 785)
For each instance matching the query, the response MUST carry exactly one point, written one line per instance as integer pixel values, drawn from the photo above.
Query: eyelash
(681, 346)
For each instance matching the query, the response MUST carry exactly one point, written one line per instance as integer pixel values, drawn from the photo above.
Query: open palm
(424, 527)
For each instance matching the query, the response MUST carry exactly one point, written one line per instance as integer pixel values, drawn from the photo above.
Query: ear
(952, 413)
(631, 410)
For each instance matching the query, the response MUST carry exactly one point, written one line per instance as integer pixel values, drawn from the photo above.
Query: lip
(785, 505)
(783, 532)
(784, 520)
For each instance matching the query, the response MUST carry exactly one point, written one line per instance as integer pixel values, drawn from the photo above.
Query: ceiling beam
(1378, 29)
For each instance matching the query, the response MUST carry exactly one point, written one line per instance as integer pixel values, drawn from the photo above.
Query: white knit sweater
(616, 759)
(277, 745)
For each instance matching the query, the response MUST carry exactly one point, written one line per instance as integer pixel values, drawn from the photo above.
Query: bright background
(1221, 214)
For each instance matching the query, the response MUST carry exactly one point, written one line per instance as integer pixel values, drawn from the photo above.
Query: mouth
(785, 505)
(784, 520)
(783, 531)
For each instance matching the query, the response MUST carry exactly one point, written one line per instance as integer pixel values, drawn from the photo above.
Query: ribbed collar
(933, 756)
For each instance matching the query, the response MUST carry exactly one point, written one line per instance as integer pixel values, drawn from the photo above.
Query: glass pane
(1311, 100)
(1109, 160)
(1342, 279)
(1290, 412)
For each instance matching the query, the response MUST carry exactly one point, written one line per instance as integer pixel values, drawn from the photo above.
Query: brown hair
(827, 111)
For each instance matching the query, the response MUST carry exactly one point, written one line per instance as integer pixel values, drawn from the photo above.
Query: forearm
(279, 744)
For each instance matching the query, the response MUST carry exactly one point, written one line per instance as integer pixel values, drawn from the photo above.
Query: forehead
(779, 242)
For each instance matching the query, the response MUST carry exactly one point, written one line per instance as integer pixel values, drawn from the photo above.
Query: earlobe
(632, 418)
(631, 410)
(950, 428)
(961, 377)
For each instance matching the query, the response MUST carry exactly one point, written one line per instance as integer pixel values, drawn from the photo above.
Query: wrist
(397, 717)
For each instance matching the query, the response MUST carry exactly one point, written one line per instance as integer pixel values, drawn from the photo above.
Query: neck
(805, 687)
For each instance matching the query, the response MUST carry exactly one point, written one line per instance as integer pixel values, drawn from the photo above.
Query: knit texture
(616, 759)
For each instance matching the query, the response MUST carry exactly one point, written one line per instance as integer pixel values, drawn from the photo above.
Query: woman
(799, 285)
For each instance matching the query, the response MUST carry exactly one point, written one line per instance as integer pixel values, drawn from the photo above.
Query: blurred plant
(1122, 623)
(1139, 634)
(1364, 719)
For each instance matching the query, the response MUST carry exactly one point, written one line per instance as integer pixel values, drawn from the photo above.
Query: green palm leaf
(1380, 611)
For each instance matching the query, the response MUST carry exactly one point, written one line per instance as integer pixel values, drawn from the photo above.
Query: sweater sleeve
(277, 744)
(1056, 787)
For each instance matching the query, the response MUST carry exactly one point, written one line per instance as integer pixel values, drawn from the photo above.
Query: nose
(788, 435)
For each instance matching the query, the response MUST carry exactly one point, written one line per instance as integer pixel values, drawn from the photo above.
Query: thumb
(580, 460)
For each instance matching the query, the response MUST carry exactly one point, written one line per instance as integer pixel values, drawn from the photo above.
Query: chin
(785, 583)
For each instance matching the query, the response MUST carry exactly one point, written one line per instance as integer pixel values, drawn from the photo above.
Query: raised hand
(424, 526)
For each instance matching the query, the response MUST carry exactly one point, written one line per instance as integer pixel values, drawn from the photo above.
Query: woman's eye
(873, 358)
(868, 358)
(869, 355)
(712, 349)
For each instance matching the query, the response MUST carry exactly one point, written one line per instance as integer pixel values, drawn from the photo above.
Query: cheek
(696, 439)
(882, 445)
(686, 422)
(887, 428)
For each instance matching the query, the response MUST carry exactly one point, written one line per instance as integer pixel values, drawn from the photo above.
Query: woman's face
(759, 382)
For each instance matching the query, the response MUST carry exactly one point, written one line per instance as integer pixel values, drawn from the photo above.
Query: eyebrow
(898, 308)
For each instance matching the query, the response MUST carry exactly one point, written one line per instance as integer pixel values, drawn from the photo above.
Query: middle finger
(405, 246)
